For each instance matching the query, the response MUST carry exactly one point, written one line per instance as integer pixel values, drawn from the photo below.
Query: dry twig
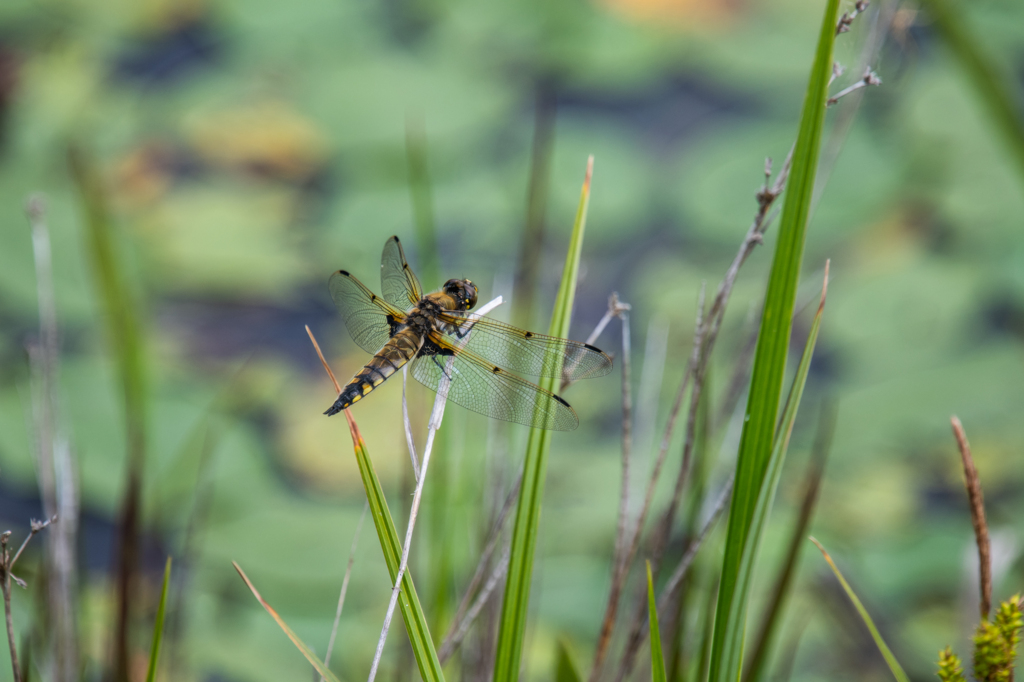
(460, 627)
(451, 641)
(55, 465)
(706, 335)
(847, 19)
(7, 563)
(344, 587)
(869, 78)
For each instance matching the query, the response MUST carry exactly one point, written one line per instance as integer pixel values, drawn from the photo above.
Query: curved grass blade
(735, 625)
(408, 601)
(769, 369)
(512, 628)
(992, 86)
(299, 644)
(565, 668)
(158, 626)
(657, 659)
(125, 337)
(894, 665)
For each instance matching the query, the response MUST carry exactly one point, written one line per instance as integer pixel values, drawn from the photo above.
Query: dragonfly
(476, 357)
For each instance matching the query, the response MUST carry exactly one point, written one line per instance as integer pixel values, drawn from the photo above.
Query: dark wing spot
(496, 370)
(343, 272)
(559, 399)
(593, 348)
(395, 237)
(529, 335)
(373, 297)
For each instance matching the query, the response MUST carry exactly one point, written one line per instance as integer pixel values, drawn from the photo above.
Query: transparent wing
(527, 352)
(486, 388)
(398, 284)
(368, 317)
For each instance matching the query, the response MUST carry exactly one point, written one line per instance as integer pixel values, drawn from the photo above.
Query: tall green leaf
(158, 626)
(773, 337)
(657, 659)
(524, 534)
(408, 601)
(125, 337)
(732, 647)
(992, 86)
(437, 496)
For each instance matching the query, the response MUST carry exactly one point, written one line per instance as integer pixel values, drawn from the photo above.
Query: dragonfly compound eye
(470, 292)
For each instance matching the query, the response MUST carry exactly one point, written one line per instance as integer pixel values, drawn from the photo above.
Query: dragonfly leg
(441, 367)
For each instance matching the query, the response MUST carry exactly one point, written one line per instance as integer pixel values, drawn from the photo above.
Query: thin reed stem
(455, 638)
(408, 425)
(58, 486)
(622, 312)
(344, 588)
(449, 644)
(7, 563)
(683, 566)
(619, 555)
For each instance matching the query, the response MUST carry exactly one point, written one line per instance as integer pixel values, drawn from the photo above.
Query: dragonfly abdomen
(400, 349)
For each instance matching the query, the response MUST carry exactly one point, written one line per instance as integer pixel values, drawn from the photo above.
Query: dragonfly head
(463, 291)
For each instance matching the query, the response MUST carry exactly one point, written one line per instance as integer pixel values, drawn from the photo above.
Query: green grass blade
(524, 534)
(408, 601)
(565, 668)
(773, 337)
(158, 626)
(437, 497)
(657, 659)
(732, 651)
(894, 665)
(299, 644)
(992, 86)
(125, 337)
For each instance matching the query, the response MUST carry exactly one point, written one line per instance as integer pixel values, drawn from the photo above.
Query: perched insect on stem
(476, 355)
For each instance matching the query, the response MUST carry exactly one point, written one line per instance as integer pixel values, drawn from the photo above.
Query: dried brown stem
(344, 587)
(676, 579)
(622, 312)
(621, 557)
(327, 368)
(460, 628)
(668, 592)
(973, 484)
(7, 563)
(737, 384)
(449, 644)
(5, 585)
(708, 332)
(844, 21)
(54, 462)
(869, 78)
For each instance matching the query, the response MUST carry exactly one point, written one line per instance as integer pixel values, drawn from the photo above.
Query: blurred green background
(251, 148)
